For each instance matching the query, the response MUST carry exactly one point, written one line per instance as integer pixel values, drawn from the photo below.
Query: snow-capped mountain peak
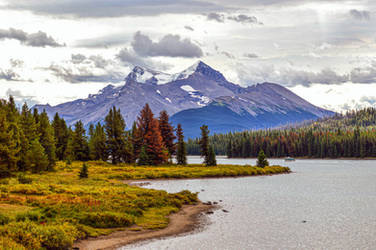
(145, 75)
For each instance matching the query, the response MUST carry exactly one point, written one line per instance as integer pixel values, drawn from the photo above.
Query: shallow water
(324, 204)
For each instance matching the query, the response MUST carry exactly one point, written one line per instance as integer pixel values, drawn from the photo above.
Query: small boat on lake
(289, 159)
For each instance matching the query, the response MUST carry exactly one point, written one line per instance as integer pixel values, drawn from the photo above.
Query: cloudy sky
(53, 51)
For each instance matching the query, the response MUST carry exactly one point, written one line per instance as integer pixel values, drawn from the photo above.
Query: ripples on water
(324, 204)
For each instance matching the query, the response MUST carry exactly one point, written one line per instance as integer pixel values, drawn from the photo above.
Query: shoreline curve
(184, 221)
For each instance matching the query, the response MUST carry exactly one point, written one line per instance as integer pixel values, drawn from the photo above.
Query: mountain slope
(198, 89)
(262, 106)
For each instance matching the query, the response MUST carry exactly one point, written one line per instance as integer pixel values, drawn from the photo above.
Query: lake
(324, 204)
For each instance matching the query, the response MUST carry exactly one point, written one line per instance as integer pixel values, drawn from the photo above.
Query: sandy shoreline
(186, 220)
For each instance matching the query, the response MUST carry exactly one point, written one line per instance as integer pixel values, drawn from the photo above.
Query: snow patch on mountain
(188, 88)
(168, 99)
(145, 75)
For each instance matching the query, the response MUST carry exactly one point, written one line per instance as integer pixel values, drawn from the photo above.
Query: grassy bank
(52, 210)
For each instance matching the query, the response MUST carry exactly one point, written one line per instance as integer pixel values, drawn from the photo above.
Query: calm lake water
(324, 204)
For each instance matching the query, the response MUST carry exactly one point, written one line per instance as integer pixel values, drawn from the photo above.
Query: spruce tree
(47, 139)
(37, 158)
(68, 153)
(28, 134)
(261, 160)
(97, 144)
(167, 133)
(149, 135)
(84, 172)
(181, 155)
(229, 149)
(143, 159)
(143, 125)
(204, 143)
(9, 147)
(117, 145)
(157, 152)
(211, 157)
(61, 133)
(80, 145)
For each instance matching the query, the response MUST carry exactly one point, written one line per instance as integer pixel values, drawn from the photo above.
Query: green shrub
(30, 215)
(36, 236)
(9, 244)
(4, 219)
(4, 181)
(23, 179)
(106, 219)
(84, 172)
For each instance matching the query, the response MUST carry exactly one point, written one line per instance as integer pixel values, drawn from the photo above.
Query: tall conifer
(181, 155)
(79, 142)
(167, 133)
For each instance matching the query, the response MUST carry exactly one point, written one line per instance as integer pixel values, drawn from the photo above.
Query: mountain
(199, 94)
(261, 106)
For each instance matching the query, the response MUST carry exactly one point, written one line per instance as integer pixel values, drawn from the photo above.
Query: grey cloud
(38, 39)
(83, 74)
(97, 60)
(77, 58)
(251, 55)
(112, 8)
(360, 15)
(289, 76)
(189, 28)
(369, 99)
(306, 78)
(8, 75)
(228, 54)
(244, 19)
(170, 46)
(241, 18)
(21, 98)
(216, 17)
(16, 63)
(364, 74)
(129, 58)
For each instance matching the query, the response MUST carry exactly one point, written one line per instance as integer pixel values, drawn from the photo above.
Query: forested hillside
(350, 135)
(30, 142)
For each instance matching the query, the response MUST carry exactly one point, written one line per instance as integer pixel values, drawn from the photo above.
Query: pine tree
(181, 155)
(211, 157)
(37, 157)
(229, 149)
(157, 153)
(80, 147)
(204, 143)
(61, 133)
(28, 134)
(143, 125)
(143, 159)
(68, 153)
(261, 160)
(47, 139)
(84, 173)
(117, 145)
(167, 133)
(149, 135)
(9, 148)
(97, 144)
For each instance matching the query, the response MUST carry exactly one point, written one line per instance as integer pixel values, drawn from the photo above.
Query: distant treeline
(350, 135)
(30, 142)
